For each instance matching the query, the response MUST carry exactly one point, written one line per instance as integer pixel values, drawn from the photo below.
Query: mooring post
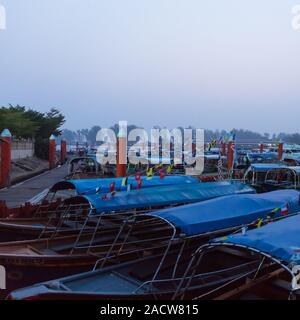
(230, 158)
(122, 154)
(280, 151)
(63, 151)
(52, 152)
(261, 148)
(5, 140)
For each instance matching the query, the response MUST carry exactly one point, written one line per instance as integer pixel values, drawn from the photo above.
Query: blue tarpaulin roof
(89, 186)
(267, 166)
(280, 239)
(228, 211)
(163, 195)
(268, 155)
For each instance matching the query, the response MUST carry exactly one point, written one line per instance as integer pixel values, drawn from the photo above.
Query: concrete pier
(24, 191)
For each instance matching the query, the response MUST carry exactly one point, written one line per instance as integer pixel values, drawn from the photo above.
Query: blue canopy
(268, 155)
(213, 157)
(89, 186)
(280, 239)
(162, 195)
(268, 166)
(229, 211)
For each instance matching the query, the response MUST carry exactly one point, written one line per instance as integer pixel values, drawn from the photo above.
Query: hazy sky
(208, 63)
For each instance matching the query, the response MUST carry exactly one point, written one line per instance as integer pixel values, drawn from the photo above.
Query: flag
(212, 144)
(161, 173)
(285, 210)
(169, 169)
(112, 187)
(124, 182)
(259, 223)
(150, 173)
(138, 176)
(139, 185)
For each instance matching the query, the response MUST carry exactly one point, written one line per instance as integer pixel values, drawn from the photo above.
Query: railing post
(121, 154)
(5, 159)
(230, 158)
(52, 152)
(280, 151)
(63, 151)
(261, 148)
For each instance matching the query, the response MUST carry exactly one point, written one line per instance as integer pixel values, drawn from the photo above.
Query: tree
(91, 136)
(28, 123)
(18, 122)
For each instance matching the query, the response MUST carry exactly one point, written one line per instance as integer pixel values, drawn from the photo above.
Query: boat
(211, 161)
(163, 273)
(142, 198)
(162, 196)
(272, 176)
(291, 153)
(83, 167)
(67, 217)
(260, 264)
(69, 188)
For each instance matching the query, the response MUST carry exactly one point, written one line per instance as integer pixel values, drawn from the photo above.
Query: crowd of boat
(159, 236)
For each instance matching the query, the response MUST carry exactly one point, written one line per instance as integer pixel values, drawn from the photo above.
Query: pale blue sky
(208, 63)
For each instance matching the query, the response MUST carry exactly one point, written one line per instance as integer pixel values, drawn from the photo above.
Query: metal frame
(201, 251)
(296, 177)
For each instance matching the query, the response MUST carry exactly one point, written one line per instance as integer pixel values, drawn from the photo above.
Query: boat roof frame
(202, 250)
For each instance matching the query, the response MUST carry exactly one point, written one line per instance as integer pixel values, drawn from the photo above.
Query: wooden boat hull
(24, 273)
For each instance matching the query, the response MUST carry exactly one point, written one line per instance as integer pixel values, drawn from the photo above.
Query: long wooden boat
(66, 217)
(67, 188)
(273, 251)
(266, 177)
(148, 258)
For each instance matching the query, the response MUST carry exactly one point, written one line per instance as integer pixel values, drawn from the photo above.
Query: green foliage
(18, 122)
(28, 123)
(24, 123)
(41, 148)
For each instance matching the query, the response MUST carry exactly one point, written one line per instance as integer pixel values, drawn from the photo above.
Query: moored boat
(272, 256)
(67, 188)
(61, 219)
(164, 272)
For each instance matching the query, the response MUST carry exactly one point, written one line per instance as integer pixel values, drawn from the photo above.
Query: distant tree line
(27, 123)
(89, 135)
